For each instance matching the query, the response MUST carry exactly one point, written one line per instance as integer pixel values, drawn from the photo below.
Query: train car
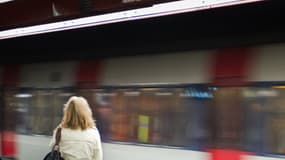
(223, 104)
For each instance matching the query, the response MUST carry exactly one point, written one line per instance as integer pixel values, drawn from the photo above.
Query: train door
(254, 119)
(230, 70)
(227, 123)
(228, 118)
(195, 104)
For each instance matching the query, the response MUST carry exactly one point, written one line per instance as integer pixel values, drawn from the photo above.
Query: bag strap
(57, 139)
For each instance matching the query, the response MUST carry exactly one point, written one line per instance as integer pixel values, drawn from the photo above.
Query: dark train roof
(240, 25)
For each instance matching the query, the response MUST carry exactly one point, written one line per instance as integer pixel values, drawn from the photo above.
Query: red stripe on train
(11, 75)
(227, 154)
(8, 144)
(8, 137)
(231, 66)
(88, 73)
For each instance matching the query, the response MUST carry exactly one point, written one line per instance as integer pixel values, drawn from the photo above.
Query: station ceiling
(233, 26)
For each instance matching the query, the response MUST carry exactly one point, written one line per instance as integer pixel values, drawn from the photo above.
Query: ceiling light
(5, 1)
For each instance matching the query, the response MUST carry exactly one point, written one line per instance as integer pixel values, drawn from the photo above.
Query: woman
(80, 139)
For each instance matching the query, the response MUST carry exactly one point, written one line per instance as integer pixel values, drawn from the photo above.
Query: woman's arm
(98, 151)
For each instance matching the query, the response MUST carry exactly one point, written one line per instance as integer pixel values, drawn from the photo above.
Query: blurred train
(223, 104)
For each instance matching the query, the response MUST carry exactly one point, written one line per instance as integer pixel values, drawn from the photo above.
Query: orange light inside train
(279, 87)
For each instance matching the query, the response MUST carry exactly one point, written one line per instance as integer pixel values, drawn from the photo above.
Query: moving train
(222, 104)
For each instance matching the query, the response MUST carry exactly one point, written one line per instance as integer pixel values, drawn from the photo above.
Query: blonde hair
(77, 114)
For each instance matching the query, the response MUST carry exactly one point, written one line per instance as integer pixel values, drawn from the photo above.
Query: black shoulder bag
(54, 154)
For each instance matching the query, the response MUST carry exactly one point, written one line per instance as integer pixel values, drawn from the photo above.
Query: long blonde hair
(77, 114)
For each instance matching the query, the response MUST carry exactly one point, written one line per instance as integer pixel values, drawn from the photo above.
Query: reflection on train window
(39, 111)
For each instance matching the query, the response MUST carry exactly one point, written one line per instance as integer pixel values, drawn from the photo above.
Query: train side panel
(48, 75)
(35, 147)
(130, 152)
(32, 146)
(176, 68)
(268, 64)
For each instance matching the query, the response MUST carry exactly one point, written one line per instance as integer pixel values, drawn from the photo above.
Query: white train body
(170, 69)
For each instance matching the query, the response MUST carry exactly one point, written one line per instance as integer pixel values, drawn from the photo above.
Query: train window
(249, 118)
(36, 107)
(263, 119)
(161, 116)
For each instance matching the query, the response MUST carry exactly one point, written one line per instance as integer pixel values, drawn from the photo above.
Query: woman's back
(80, 139)
(80, 144)
(77, 144)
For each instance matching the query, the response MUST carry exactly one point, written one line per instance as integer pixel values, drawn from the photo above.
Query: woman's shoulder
(93, 130)
(88, 131)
